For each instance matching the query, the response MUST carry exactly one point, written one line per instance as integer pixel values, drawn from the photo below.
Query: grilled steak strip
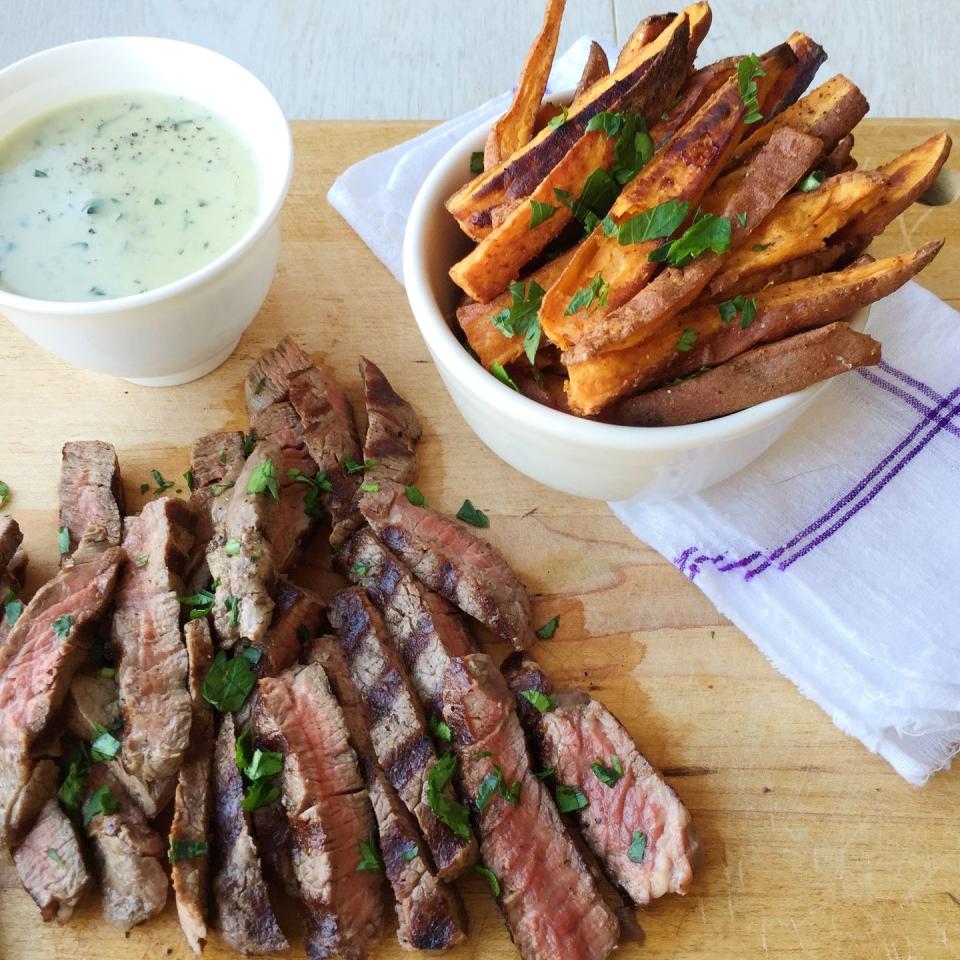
(50, 864)
(148, 644)
(241, 557)
(399, 731)
(191, 810)
(451, 560)
(423, 626)
(37, 662)
(430, 914)
(571, 737)
(328, 808)
(548, 895)
(243, 913)
(128, 855)
(392, 429)
(11, 583)
(10, 540)
(91, 491)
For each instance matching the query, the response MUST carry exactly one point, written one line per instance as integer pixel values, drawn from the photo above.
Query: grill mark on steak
(248, 576)
(430, 915)
(399, 730)
(448, 558)
(548, 896)
(148, 644)
(50, 864)
(91, 491)
(328, 809)
(36, 667)
(392, 429)
(423, 626)
(243, 913)
(571, 737)
(127, 852)
(192, 802)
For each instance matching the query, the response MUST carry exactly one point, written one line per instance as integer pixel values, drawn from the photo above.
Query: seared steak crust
(548, 895)
(244, 916)
(328, 808)
(91, 491)
(392, 429)
(50, 864)
(298, 614)
(430, 914)
(451, 560)
(398, 730)
(571, 737)
(423, 626)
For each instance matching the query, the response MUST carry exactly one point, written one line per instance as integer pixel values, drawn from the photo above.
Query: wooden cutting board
(814, 847)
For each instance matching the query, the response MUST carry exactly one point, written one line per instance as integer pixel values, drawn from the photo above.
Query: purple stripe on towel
(908, 399)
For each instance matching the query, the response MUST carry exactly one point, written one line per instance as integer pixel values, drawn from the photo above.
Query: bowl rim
(91, 309)
(450, 353)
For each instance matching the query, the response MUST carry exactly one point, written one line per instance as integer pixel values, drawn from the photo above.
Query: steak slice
(91, 491)
(298, 615)
(243, 913)
(638, 828)
(37, 662)
(190, 829)
(241, 557)
(549, 899)
(50, 864)
(328, 808)
(423, 626)
(13, 565)
(399, 731)
(449, 559)
(148, 644)
(430, 914)
(392, 429)
(128, 855)
(268, 381)
(10, 540)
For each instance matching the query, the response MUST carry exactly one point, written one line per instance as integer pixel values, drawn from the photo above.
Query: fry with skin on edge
(596, 68)
(763, 373)
(698, 88)
(810, 55)
(839, 159)
(645, 32)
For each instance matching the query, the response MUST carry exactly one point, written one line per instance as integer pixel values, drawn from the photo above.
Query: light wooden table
(814, 847)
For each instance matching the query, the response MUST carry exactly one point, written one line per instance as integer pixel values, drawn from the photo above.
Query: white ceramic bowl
(183, 329)
(597, 460)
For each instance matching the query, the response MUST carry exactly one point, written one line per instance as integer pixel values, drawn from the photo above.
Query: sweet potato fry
(760, 374)
(700, 17)
(646, 31)
(839, 159)
(810, 55)
(830, 112)
(645, 86)
(596, 68)
(771, 174)
(780, 311)
(698, 88)
(515, 127)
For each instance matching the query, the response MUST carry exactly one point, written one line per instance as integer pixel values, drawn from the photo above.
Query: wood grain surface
(814, 847)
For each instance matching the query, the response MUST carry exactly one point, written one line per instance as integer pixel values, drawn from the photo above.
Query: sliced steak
(635, 823)
(50, 864)
(451, 560)
(10, 540)
(392, 429)
(399, 731)
(298, 615)
(430, 914)
(275, 842)
(551, 902)
(190, 829)
(128, 855)
(268, 381)
(13, 565)
(423, 626)
(241, 901)
(148, 644)
(241, 558)
(91, 491)
(328, 808)
(37, 662)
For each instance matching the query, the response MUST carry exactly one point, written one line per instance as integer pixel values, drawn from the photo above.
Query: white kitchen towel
(834, 552)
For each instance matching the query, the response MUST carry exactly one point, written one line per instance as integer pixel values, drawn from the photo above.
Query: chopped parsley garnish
(608, 776)
(811, 181)
(707, 232)
(570, 798)
(760, 246)
(455, 815)
(633, 149)
(480, 755)
(103, 801)
(638, 846)
(39, 173)
(264, 763)
(370, 487)
(63, 540)
(660, 221)
(476, 161)
(545, 774)
(595, 199)
(186, 849)
(687, 339)
(490, 877)
(105, 745)
(415, 496)
(261, 383)
(223, 457)
(144, 487)
(594, 293)
(62, 625)
(188, 476)
(500, 372)
(4, 492)
(228, 682)
(411, 853)
(539, 700)
(521, 318)
(249, 442)
(549, 628)
(540, 212)
(360, 569)
(369, 854)
(51, 852)
(160, 482)
(201, 603)
(232, 547)
(468, 513)
(12, 608)
(351, 465)
(108, 673)
(217, 488)
(560, 119)
(74, 783)
(263, 479)
(440, 729)
(260, 794)
(742, 218)
(318, 484)
(233, 611)
(493, 783)
(748, 69)
(747, 308)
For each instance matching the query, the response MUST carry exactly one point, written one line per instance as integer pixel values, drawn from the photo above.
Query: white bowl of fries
(723, 412)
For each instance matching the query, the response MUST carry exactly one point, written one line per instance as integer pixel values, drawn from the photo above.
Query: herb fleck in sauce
(117, 195)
